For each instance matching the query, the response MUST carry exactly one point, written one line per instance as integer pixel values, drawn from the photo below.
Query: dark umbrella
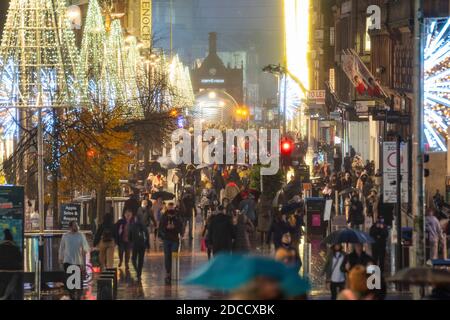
(290, 207)
(347, 191)
(348, 235)
(163, 195)
(421, 276)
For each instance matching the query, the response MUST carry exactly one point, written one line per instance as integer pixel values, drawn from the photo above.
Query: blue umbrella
(230, 272)
(348, 235)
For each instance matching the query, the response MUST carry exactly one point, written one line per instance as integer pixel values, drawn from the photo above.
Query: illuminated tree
(39, 68)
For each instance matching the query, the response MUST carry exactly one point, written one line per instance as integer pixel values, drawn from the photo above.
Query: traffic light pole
(399, 205)
(418, 141)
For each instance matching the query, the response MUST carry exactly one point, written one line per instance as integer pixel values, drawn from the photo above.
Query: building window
(332, 36)
(367, 43)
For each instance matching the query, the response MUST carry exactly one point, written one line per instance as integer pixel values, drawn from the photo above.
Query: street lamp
(280, 71)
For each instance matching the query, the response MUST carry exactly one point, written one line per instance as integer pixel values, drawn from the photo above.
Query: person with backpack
(169, 231)
(105, 240)
(139, 238)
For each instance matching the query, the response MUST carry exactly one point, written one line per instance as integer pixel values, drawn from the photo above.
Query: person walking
(333, 270)
(157, 208)
(188, 211)
(221, 232)
(177, 179)
(287, 253)
(170, 228)
(357, 286)
(277, 229)
(243, 228)
(105, 240)
(434, 233)
(139, 237)
(347, 162)
(248, 207)
(72, 252)
(207, 245)
(146, 212)
(123, 227)
(207, 198)
(357, 257)
(218, 181)
(234, 176)
(356, 214)
(379, 233)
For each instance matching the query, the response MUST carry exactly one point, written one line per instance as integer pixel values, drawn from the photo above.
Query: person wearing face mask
(287, 254)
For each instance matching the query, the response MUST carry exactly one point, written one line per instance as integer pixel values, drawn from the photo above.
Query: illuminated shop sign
(212, 81)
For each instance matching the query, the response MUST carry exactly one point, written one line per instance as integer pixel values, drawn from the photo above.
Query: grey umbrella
(421, 276)
(347, 191)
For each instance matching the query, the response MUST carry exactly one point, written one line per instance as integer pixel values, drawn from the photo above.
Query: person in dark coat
(347, 181)
(140, 239)
(123, 227)
(187, 204)
(170, 228)
(105, 240)
(10, 259)
(279, 227)
(357, 257)
(220, 232)
(355, 214)
(132, 203)
(218, 181)
(379, 233)
(243, 227)
(347, 162)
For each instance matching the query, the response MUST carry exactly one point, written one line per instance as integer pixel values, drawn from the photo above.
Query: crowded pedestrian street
(224, 151)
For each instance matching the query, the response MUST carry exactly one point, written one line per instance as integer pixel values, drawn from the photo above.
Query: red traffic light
(287, 146)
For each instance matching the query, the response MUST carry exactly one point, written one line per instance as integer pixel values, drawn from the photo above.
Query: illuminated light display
(437, 84)
(293, 98)
(297, 28)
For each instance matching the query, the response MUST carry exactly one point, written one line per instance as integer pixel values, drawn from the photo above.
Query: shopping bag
(203, 247)
(95, 258)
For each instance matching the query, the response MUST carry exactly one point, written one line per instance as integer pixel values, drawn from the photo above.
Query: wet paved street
(152, 285)
(190, 258)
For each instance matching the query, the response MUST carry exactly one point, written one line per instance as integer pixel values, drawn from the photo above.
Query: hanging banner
(146, 22)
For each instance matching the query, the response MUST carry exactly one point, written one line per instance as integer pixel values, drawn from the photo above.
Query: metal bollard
(306, 258)
(112, 272)
(105, 289)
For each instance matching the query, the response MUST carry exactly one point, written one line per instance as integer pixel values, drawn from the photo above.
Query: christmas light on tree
(39, 59)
